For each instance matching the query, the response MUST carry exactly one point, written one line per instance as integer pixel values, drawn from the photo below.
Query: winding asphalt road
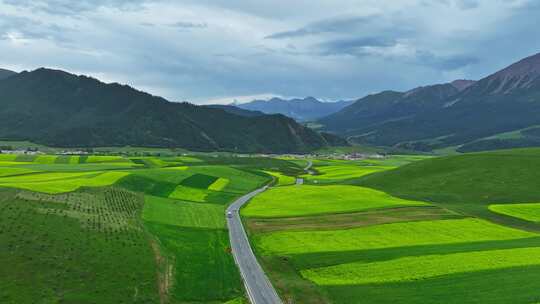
(258, 286)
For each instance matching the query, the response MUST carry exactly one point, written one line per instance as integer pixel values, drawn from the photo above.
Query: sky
(219, 51)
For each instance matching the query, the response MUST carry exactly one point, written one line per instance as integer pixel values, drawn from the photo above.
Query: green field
(528, 212)
(61, 182)
(386, 236)
(466, 244)
(183, 214)
(282, 179)
(313, 200)
(76, 248)
(410, 269)
(112, 229)
(145, 229)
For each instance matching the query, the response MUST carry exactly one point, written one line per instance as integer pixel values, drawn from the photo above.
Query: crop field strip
(528, 212)
(316, 200)
(282, 179)
(350, 220)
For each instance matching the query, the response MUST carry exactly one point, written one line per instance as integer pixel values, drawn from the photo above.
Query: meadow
(113, 229)
(143, 229)
(312, 200)
(76, 248)
(471, 238)
(528, 212)
(330, 171)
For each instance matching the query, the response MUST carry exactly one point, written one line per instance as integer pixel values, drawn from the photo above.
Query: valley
(269, 152)
(153, 229)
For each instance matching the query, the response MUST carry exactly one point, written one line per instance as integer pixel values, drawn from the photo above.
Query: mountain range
(6, 73)
(498, 111)
(306, 109)
(57, 108)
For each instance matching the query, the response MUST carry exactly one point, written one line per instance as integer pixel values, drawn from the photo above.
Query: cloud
(467, 4)
(333, 25)
(22, 29)
(355, 46)
(189, 25)
(63, 7)
(200, 50)
(445, 63)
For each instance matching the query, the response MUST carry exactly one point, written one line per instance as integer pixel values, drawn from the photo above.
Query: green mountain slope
(378, 109)
(60, 109)
(468, 183)
(508, 100)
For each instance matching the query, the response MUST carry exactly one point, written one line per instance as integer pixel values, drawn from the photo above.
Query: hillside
(468, 183)
(389, 106)
(6, 73)
(236, 110)
(306, 109)
(473, 119)
(60, 109)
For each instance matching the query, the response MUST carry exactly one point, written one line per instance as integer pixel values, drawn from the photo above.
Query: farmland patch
(528, 212)
(315, 200)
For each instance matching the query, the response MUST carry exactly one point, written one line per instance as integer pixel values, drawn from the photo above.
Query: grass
(468, 245)
(61, 182)
(313, 200)
(85, 247)
(219, 185)
(199, 181)
(350, 220)
(204, 269)
(282, 179)
(105, 159)
(190, 194)
(10, 171)
(498, 286)
(183, 214)
(385, 236)
(45, 159)
(336, 173)
(240, 181)
(25, 158)
(395, 160)
(7, 157)
(422, 267)
(109, 249)
(468, 183)
(528, 212)
(44, 177)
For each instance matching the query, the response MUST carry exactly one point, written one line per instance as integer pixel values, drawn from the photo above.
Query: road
(308, 167)
(259, 288)
(300, 181)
